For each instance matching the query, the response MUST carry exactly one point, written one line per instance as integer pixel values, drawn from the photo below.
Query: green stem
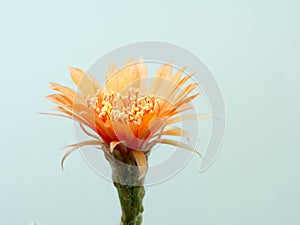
(130, 187)
(131, 198)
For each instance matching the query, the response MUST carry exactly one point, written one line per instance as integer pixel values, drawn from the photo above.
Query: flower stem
(130, 187)
(131, 198)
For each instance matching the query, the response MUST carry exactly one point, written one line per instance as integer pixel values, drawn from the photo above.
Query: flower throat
(129, 108)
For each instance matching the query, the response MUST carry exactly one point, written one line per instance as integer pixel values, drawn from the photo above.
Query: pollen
(130, 108)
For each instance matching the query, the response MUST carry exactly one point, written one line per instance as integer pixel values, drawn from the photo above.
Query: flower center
(129, 108)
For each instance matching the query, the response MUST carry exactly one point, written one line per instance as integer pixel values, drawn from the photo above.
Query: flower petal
(112, 77)
(187, 100)
(180, 109)
(70, 115)
(67, 92)
(175, 131)
(160, 84)
(113, 144)
(82, 81)
(96, 84)
(141, 162)
(143, 74)
(88, 133)
(177, 144)
(187, 117)
(76, 146)
(59, 99)
(177, 75)
(165, 71)
(129, 76)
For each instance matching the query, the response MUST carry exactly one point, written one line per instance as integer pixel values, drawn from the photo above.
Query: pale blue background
(253, 49)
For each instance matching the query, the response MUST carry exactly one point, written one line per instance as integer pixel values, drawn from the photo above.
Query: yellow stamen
(133, 110)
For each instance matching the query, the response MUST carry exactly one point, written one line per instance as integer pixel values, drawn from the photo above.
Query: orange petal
(88, 133)
(180, 109)
(76, 146)
(176, 131)
(177, 88)
(67, 92)
(59, 99)
(185, 92)
(97, 85)
(178, 75)
(143, 75)
(129, 76)
(141, 162)
(165, 71)
(162, 75)
(187, 100)
(113, 144)
(112, 77)
(186, 117)
(76, 117)
(82, 81)
(177, 144)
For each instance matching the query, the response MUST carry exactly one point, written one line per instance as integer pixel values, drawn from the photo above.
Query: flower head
(128, 115)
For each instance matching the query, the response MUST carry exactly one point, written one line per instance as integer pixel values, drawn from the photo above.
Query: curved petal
(175, 131)
(76, 146)
(82, 81)
(67, 92)
(129, 76)
(143, 75)
(113, 144)
(112, 77)
(141, 162)
(60, 100)
(177, 144)
(187, 117)
(160, 84)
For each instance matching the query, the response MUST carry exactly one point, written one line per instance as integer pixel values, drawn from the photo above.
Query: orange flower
(126, 115)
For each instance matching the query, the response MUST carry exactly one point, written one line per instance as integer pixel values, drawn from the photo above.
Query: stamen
(133, 108)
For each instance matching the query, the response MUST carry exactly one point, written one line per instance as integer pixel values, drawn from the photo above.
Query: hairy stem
(130, 187)
(131, 198)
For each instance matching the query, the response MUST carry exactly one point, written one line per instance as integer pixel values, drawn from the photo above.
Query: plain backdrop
(252, 46)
